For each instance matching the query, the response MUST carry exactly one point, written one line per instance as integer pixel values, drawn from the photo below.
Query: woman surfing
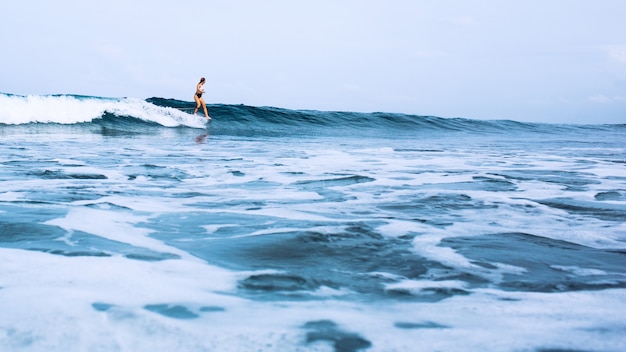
(199, 100)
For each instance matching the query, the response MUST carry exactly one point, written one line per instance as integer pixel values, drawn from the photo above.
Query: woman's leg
(195, 97)
(206, 113)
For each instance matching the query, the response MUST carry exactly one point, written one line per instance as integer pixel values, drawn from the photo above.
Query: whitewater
(132, 225)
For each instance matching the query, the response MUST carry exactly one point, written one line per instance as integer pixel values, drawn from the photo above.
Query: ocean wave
(68, 109)
(134, 114)
(244, 117)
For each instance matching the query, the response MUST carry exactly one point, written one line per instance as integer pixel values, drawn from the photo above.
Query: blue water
(129, 224)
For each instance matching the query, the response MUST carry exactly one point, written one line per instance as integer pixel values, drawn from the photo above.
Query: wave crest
(74, 109)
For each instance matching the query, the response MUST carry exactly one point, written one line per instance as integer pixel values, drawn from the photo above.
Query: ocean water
(131, 225)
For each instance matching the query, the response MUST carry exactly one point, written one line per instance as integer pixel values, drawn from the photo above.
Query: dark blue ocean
(132, 225)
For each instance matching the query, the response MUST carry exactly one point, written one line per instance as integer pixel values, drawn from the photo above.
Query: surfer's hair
(202, 79)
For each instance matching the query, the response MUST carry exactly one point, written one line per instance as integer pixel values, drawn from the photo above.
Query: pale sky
(561, 61)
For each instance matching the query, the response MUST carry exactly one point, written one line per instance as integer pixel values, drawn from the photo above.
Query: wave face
(243, 119)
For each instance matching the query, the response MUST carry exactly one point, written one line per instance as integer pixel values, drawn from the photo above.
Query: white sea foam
(69, 162)
(427, 246)
(42, 308)
(398, 228)
(11, 196)
(579, 271)
(115, 226)
(141, 204)
(69, 109)
(58, 109)
(426, 287)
